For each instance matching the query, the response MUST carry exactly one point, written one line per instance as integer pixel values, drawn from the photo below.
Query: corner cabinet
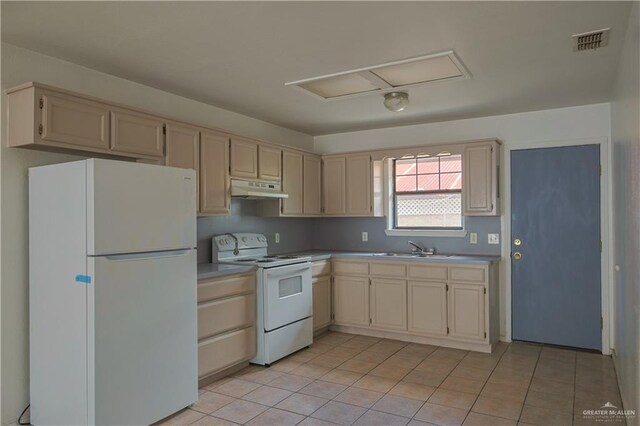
(480, 171)
(452, 304)
(321, 281)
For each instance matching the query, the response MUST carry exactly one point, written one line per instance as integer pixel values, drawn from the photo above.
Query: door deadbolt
(517, 255)
(517, 241)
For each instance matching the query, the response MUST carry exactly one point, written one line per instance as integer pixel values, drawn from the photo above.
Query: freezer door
(142, 337)
(134, 207)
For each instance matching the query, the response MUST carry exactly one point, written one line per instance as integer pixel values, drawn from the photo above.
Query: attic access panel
(391, 76)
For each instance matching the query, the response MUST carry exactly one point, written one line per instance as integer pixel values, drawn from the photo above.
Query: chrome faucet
(417, 248)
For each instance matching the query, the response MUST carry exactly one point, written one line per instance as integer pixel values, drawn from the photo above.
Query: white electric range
(284, 293)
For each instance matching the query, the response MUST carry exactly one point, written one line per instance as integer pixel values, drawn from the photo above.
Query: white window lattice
(429, 206)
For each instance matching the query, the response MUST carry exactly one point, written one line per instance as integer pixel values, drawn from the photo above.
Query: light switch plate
(365, 236)
(493, 238)
(473, 238)
(277, 238)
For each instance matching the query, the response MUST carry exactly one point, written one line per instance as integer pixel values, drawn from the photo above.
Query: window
(428, 193)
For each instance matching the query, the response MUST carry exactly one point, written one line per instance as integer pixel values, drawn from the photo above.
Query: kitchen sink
(429, 256)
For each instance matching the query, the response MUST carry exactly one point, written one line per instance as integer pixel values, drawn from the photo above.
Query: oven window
(290, 286)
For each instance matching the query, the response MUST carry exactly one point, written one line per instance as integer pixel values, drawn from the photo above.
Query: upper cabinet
(136, 133)
(269, 163)
(480, 189)
(244, 158)
(215, 191)
(347, 185)
(292, 183)
(182, 146)
(334, 181)
(312, 182)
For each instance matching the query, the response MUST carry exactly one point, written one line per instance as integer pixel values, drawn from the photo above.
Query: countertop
(215, 270)
(328, 254)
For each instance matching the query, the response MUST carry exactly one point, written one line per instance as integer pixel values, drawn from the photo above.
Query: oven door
(287, 294)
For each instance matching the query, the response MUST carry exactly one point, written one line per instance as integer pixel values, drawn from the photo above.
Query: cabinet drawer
(466, 273)
(350, 268)
(428, 272)
(220, 352)
(388, 269)
(322, 267)
(226, 314)
(228, 286)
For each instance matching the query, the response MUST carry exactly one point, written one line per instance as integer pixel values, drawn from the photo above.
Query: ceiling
(238, 55)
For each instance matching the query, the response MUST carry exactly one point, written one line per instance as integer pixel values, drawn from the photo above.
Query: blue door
(555, 246)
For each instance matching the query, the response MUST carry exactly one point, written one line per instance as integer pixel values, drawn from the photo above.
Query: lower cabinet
(351, 300)
(467, 311)
(321, 302)
(226, 322)
(389, 304)
(427, 308)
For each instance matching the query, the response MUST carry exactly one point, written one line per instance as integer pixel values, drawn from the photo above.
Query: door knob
(517, 255)
(517, 241)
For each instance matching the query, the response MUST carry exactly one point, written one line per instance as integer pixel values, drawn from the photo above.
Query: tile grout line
(530, 381)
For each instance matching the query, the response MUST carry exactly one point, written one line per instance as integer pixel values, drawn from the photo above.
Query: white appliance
(285, 304)
(112, 292)
(256, 190)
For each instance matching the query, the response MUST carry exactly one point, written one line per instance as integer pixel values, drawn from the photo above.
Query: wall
(346, 234)
(569, 126)
(19, 66)
(296, 234)
(625, 132)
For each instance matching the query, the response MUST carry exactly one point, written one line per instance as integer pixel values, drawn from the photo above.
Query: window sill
(426, 233)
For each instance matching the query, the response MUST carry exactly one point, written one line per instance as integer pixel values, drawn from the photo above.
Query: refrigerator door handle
(147, 255)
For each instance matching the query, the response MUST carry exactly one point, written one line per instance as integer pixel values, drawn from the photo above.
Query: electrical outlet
(277, 238)
(473, 238)
(493, 238)
(365, 236)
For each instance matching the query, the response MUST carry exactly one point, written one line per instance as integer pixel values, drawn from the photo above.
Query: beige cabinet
(215, 191)
(321, 302)
(334, 178)
(136, 133)
(480, 179)
(351, 300)
(244, 158)
(427, 308)
(74, 121)
(466, 311)
(358, 185)
(182, 146)
(312, 185)
(269, 163)
(226, 322)
(292, 183)
(388, 304)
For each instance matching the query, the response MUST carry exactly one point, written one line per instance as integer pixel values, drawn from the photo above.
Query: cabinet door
(182, 146)
(359, 185)
(466, 311)
(480, 180)
(270, 163)
(351, 300)
(244, 159)
(74, 121)
(389, 304)
(427, 308)
(215, 192)
(136, 133)
(292, 183)
(334, 186)
(321, 302)
(312, 192)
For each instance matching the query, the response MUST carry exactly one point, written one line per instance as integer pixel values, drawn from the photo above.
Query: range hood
(254, 190)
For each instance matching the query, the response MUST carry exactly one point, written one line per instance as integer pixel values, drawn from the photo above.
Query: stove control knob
(244, 239)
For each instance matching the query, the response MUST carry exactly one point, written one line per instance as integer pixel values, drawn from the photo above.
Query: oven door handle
(280, 271)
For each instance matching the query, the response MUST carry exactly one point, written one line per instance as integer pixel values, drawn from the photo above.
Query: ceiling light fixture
(396, 101)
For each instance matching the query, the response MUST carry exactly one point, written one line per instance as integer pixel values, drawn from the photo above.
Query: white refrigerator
(112, 292)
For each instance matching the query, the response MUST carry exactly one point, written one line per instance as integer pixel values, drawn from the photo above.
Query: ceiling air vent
(591, 40)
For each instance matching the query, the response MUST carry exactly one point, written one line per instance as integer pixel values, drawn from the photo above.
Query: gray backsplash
(299, 234)
(345, 233)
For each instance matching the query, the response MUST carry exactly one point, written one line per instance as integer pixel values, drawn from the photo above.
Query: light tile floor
(348, 379)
